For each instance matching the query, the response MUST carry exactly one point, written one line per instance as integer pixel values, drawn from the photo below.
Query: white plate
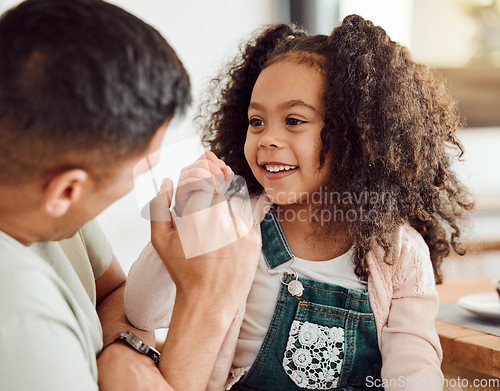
(483, 304)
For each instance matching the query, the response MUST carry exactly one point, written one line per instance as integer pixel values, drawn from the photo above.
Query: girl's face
(285, 118)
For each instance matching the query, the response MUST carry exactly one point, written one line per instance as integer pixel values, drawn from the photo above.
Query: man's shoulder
(17, 260)
(23, 275)
(26, 281)
(38, 309)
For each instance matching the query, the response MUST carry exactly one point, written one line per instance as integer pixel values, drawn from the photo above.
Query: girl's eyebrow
(286, 105)
(296, 102)
(254, 105)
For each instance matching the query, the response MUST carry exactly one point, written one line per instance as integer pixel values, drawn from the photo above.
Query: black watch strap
(132, 340)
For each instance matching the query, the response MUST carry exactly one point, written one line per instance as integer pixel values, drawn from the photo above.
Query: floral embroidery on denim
(314, 355)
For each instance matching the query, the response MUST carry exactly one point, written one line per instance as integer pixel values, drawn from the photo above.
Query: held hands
(211, 285)
(202, 185)
(225, 272)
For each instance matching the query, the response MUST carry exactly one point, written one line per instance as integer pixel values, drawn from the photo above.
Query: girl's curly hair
(390, 125)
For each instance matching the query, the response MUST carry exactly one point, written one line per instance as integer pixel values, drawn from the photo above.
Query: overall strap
(274, 245)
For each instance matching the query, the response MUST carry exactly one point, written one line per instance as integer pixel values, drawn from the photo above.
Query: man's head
(84, 88)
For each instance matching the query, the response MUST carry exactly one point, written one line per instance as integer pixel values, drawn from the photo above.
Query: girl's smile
(285, 118)
(277, 170)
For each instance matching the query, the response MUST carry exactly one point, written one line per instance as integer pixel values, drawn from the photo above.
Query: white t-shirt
(263, 295)
(50, 333)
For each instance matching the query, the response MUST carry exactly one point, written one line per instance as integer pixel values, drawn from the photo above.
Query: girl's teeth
(279, 168)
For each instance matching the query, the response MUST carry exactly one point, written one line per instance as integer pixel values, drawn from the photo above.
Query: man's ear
(64, 189)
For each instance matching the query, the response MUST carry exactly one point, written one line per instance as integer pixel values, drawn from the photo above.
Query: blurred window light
(320, 16)
(394, 16)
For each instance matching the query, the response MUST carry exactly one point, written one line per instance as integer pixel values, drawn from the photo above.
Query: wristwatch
(132, 340)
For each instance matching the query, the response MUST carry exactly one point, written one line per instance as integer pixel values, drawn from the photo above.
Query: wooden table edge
(462, 346)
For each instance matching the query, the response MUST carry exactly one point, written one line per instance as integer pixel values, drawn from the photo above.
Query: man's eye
(255, 122)
(294, 121)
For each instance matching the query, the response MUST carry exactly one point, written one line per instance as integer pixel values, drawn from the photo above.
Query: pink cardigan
(403, 298)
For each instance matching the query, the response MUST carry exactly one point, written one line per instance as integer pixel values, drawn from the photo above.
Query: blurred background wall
(460, 38)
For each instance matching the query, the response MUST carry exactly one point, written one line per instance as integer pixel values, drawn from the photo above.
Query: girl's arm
(410, 347)
(149, 292)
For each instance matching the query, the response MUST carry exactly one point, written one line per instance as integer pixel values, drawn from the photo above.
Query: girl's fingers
(200, 179)
(205, 168)
(216, 165)
(214, 159)
(191, 184)
(208, 175)
(227, 170)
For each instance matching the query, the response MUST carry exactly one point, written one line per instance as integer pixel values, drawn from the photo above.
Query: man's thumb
(159, 207)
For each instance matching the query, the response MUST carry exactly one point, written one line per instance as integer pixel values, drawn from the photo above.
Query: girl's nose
(270, 139)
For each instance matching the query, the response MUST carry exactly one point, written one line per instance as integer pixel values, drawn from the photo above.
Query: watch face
(140, 346)
(133, 340)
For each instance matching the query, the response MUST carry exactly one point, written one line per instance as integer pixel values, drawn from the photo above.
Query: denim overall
(324, 340)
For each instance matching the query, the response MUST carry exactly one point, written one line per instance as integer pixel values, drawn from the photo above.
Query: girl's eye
(255, 122)
(294, 121)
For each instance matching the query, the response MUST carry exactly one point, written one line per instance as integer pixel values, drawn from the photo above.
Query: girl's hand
(202, 184)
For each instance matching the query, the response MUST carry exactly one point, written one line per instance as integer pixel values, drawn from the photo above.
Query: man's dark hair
(83, 84)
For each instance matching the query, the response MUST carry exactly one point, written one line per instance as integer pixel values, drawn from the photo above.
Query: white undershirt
(261, 301)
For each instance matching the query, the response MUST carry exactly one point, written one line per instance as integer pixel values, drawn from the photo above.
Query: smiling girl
(344, 295)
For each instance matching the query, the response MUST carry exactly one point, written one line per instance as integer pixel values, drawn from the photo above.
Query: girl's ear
(63, 190)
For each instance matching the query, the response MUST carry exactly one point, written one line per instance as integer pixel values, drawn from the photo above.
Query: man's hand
(224, 274)
(210, 287)
(123, 369)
